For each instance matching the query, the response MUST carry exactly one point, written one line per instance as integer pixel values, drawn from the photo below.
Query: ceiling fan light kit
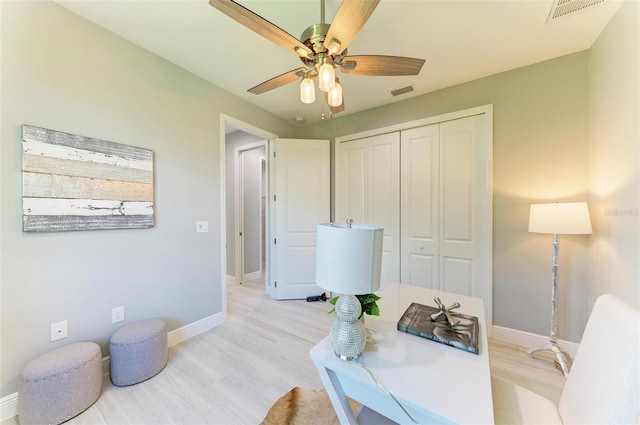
(322, 48)
(326, 76)
(335, 95)
(307, 90)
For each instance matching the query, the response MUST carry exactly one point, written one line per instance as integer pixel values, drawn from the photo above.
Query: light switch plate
(202, 226)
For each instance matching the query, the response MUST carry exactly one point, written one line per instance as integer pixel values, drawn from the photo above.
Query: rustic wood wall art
(72, 182)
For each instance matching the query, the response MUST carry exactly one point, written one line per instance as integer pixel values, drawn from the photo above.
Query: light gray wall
(540, 155)
(62, 72)
(232, 141)
(614, 158)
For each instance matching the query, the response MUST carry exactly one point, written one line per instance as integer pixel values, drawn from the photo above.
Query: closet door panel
(462, 189)
(384, 200)
(421, 269)
(353, 182)
(457, 275)
(419, 156)
(457, 210)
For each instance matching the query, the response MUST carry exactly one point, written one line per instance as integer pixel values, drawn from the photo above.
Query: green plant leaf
(333, 302)
(367, 303)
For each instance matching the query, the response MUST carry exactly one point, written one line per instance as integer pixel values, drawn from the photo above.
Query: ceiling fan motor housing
(313, 37)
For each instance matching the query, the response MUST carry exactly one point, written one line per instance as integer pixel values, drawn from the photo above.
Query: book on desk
(416, 320)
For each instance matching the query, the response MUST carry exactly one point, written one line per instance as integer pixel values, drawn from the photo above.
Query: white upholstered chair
(603, 385)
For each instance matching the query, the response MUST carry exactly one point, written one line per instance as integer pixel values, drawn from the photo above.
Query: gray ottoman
(138, 352)
(60, 384)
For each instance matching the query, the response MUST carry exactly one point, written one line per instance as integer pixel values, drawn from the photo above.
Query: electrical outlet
(117, 314)
(202, 226)
(59, 330)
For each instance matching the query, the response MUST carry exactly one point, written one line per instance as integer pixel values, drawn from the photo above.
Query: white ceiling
(461, 40)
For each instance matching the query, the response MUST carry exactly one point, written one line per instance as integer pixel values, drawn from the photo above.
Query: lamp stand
(347, 334)
(562, 358)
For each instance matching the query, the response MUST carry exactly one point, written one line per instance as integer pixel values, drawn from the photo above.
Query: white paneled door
(462, 203)
(419, 208)
(300, 196)
(367, 188)
(384, 201)
(444, 195)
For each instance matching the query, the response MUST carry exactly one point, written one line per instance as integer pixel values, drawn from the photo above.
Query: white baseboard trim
(8, 406)
(252, 276)
(527, 339)
(231, 280)
(106, 361)
(176, 336)
(9, 403)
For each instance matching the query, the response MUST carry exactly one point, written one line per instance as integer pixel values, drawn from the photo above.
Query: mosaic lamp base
(347, 334)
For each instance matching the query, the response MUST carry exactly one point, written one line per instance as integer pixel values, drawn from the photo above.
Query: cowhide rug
(302, 406)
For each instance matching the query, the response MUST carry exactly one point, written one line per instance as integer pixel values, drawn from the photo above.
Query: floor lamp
(558, 218)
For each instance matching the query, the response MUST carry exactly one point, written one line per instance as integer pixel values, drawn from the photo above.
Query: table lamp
(558, 218)
(348, 261)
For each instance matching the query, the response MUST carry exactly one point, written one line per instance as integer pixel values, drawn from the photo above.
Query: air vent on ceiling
(562, 8)
(403, 90)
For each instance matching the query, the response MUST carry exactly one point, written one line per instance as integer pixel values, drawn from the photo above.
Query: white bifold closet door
(443, 187)
(369, 181)
(429, 184)
(420, 182)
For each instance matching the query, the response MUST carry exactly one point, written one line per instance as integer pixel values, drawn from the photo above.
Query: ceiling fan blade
(279, 81)
(349, 20)
(381, 65)
(261, 26)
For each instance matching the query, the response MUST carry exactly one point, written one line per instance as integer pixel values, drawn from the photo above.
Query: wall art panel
(72, 182)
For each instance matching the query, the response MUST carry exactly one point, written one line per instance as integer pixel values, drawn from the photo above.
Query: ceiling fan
(322, 48)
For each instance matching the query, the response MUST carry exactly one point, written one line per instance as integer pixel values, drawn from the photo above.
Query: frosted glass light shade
(335, 95)
(307, 90)
(326, 77)
(348, 260)
(569, 218)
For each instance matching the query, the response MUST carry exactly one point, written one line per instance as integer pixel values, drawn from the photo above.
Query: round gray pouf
(138, 352)
(60, 384)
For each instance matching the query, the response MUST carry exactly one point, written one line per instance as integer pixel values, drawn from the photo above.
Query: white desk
(434, 382)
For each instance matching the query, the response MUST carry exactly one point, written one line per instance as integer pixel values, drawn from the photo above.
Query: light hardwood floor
(234, 373)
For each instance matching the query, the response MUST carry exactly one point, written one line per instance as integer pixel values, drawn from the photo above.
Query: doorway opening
(250, 211)
(238, 137)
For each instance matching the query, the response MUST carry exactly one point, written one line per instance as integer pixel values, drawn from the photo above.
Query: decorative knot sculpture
(446, 312)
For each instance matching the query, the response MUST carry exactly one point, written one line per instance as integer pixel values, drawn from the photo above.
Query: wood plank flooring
(234, 373)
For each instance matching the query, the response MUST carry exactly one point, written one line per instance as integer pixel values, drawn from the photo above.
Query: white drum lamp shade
(569, 218)
(348, 262)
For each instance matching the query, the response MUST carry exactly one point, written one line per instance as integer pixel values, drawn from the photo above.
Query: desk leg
(337, 396)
